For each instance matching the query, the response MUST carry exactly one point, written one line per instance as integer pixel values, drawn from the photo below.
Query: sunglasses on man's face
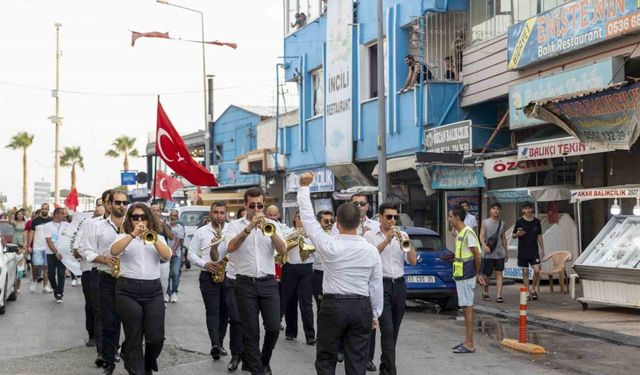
(120, 203)
(361, 203)
(253, 206)
(394, 217)
(138, 217)
(327, 221)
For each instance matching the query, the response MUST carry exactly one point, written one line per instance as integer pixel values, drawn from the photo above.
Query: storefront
(321, 188)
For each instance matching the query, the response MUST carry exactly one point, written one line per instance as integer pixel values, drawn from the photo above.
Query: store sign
(508, 196)
(605, 193)
(569, 27)
(511, 166)
(558, 148)
(128, 178)
(338, 90)
(597, 75)
(322, 182)
(456, 177)
(142, 192)
(608, 117)
(454, 137)
(41, 192)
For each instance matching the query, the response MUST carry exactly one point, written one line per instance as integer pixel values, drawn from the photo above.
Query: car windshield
(426, 243)
(193, 218)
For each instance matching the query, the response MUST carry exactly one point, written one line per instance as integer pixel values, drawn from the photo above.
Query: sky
(109, 88)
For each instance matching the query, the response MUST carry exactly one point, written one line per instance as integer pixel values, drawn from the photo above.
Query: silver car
(8, 274)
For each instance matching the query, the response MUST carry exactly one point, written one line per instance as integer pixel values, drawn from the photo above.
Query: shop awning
(606, 116)
(610, 192)
(532, 194)
(397, 165)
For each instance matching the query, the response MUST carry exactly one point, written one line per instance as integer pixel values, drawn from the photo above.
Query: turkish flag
(71, 201)
(171, 148)
(165, 185)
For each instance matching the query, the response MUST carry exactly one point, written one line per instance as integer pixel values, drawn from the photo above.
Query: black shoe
(215, 353)
(223, 351)
(281, 327)
(340, 357)
(267, 370)
(245, 367)
(371, 367)
(233, 363)
(311, 341)
(290, 338)
(99, 362)
(90, 343)
(109, 369)
(117, 358)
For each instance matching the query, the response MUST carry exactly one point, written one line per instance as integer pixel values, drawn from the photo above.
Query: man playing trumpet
(395, 248)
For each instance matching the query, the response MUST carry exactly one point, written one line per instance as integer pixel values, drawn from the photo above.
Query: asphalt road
(38, 336)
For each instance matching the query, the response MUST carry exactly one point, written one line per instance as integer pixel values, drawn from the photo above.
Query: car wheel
(448, 304)
(14, 296)
(3, 308)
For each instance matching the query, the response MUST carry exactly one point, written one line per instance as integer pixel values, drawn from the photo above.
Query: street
(42, 337)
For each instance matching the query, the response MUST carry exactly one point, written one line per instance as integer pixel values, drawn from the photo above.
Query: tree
(22, 140)
(123, 146)
(70, 158)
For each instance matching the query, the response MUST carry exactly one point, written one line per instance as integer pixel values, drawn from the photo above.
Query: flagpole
(155, 158)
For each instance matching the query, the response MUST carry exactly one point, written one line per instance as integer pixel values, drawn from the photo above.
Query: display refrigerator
(609, 268)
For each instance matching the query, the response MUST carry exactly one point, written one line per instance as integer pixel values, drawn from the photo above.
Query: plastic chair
(559, 261)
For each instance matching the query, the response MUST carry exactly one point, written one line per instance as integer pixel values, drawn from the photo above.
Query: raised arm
(311, 226)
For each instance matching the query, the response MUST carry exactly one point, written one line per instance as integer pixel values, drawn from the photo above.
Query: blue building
(337, 128)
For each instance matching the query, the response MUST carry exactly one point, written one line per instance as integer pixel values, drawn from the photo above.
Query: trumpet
(267, 228)
(405, 244)
(115, 270)
(149, 237)
(218, 276)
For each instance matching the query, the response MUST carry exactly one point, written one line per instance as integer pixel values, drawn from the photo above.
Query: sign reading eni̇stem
(338, 90)
(569, 27)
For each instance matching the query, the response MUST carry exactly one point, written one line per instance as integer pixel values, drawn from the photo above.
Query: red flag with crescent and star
(171, 148)
(71, 201)
(165, 185)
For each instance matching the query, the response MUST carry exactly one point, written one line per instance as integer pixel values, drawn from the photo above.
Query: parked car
(191, 217)
(6, 230)
(8, 274)
(431, 278)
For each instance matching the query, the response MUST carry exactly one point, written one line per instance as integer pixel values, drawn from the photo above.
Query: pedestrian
(166, 232)
(352, 286)
(251, 246)
(139, 291)
(53, 232)
(494, 249)
(175, 245)
(528, 231)
(39, 249)
(18, 222)
(395, 249)
(466, 273)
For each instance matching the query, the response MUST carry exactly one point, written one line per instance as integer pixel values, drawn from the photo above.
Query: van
(191, 217)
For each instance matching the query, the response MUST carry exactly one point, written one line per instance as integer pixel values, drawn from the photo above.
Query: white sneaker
(166, 298)
(74, 283)
(59, 300)
(47, 289)
(32, 287)
(174, 297)
(79, 282)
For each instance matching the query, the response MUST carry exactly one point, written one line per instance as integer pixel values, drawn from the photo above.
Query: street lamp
(204, 79)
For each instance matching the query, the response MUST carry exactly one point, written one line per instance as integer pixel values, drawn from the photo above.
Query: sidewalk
(557, 311)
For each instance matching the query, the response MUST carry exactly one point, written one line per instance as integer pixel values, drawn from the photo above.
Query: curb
(559, 325)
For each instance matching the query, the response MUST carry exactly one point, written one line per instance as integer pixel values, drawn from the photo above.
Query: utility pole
(57, 119)
(382, 134)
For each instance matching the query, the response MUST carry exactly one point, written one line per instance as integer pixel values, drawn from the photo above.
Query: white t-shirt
(139, 261)
(55, 231)
(470, 220)
(178, 234)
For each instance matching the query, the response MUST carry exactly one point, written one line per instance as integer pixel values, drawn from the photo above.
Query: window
(317, 93)
(490, 18)
(218, 156)
(371, 73)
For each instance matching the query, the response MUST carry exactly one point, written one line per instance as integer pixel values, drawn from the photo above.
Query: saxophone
(291, 241)
(115, 270)
(218, 276)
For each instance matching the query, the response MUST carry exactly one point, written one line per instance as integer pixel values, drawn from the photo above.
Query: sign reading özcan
(511, 166)
(455, 137)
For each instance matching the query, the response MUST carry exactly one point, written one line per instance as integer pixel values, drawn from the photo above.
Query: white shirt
(351, 264)
(98, 240)
(254, 256)
(39, 241)
(470, 220)
(88, 229)
(230, 269)
(138, 260)
(77, 241)
(392, 257)
(368, 223)
(293, 255)
(202, 237)
(54, 231)
(178, 234)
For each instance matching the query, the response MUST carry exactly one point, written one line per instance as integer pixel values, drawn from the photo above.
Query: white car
(191, 217)
(8, 274)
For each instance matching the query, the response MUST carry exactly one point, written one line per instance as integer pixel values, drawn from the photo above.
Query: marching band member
(352, 286)
(97, 249)
(394, 247)
(251, 245)
(235, 328)
(139, 301)
(325, 218)
(296, 284)
(212, 292)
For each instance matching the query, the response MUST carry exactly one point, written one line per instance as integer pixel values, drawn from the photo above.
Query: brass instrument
(216, 240)
(291, 241)
(149, 237)
(218, 276)
(305, 249)
(267, 228)
(405, 244)
(115, 270)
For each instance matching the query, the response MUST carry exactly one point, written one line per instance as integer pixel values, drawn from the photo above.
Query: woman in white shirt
(139, 292)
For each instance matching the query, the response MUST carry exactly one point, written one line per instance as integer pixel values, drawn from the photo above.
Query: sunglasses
(361, 203)
(136, 217)
(394, 217)
(327, 221)
(253, 206)
(120, 203)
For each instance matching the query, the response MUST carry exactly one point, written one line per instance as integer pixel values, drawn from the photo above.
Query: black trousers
(235, 325)
(88, 304)
(95, 302)
(395, 294)
(109, 318)
(56, 274)
(316, 283)
(141, 307)
(258, 297)
(215, 308)
(343, 323)
(372, 345)
(298, 290)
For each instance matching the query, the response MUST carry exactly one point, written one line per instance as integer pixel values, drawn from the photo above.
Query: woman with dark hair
(19, 224)
(139, 291)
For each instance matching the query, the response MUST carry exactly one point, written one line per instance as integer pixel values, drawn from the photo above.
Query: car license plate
(421, 279)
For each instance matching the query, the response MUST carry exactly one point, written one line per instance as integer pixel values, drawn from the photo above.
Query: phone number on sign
(623, 25)
(617, 135)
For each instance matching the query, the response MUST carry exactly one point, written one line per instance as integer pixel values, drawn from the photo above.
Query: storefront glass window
(618, 245)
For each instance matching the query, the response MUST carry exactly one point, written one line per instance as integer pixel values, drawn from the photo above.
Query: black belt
(318, 271)
(105, 273)
(344, 296)
(255, 279)
(392, 280)
(139, 281)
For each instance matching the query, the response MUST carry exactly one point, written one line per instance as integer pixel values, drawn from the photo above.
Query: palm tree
(123, 146)
(22, 141)
(70, 158)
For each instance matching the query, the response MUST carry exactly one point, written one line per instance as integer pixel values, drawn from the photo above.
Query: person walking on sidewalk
(38, 246)
(466, 272)
(528, 231)
(494, 245)
(53, 231)
(176, 250)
